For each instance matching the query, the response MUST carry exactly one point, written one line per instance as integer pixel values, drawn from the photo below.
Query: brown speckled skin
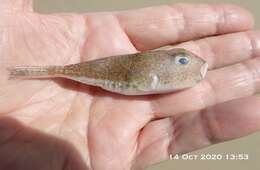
(143, 73)
(131, 74)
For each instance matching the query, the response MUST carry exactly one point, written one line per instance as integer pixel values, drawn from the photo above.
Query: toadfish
(143, 73)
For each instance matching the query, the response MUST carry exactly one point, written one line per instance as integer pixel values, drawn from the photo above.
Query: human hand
(60, 124)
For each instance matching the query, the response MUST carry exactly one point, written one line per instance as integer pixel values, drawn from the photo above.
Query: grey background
(247, 145)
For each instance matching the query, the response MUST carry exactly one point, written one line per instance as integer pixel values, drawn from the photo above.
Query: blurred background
(247, 145)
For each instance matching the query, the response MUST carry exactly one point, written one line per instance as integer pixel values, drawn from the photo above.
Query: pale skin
(60, 124)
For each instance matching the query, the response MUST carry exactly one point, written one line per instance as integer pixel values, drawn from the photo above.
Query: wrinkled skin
(60, 124)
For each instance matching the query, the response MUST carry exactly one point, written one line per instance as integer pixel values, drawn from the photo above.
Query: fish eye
(182, 60)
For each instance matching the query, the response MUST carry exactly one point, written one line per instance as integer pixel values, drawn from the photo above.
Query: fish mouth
(204, 70)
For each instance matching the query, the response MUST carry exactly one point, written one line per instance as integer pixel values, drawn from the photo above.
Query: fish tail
(34, 71)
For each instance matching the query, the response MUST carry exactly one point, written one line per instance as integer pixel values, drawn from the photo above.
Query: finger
(16, 5)
(192, 131)
(226, 49)
(221, 85)
(216, 124)
(153, 27)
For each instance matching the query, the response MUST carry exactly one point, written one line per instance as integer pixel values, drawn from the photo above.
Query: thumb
(16, 5)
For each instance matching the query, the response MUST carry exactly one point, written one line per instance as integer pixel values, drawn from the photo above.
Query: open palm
(60, 124)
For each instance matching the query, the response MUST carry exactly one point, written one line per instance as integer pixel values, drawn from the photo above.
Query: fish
(141, 73)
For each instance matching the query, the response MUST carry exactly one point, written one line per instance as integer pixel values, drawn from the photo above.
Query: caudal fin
(31, 71)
